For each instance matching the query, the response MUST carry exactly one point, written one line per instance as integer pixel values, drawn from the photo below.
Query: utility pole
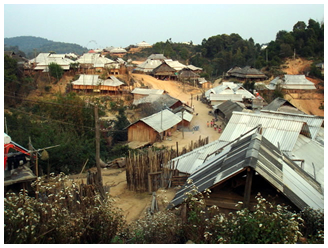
(182, 125)
(99, 183)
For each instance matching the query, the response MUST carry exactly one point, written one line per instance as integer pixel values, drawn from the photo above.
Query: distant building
(143, 44)
(92, 83)
(247, 72)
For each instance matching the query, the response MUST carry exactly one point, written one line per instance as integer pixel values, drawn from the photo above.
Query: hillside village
(219, 135)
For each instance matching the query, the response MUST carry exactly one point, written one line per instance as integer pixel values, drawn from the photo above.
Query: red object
(7, 148)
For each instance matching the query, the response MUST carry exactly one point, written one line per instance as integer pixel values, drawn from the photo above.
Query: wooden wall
(141, 132)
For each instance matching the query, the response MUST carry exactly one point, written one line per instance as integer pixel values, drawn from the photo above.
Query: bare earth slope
(308, 103)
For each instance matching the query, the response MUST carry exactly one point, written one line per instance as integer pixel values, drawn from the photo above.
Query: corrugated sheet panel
(225, 97)
(275, 129)
(162, 121)
(186, 116)
(312, 152)
(302, 189)
(192, 161)
(87, 80)
(142, 91)
(314, 122)
(256, 151)
(297, 82)
(148, 65)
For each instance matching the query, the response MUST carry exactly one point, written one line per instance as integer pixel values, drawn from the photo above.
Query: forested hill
(31, 45)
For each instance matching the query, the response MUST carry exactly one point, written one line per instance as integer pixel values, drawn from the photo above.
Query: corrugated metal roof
(162, 120)
(194, 68)
(280, 104)
(275, 129)
(312, 153)
(157, 100)
(225, 97)
(297, 82)
(94, 58)
(118, 50)
(314, 122)
(186, 116)
(95, 80)
(191, 161)
(157, 56)
(143, 44)
(255, 151)
(175, 64)
(142, 91)
(148, 65)
(113, 81)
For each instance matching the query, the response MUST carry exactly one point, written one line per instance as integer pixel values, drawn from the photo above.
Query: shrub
(59, 215)
(313, 228)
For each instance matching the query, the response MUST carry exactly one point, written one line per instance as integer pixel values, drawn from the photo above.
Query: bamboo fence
(145, 170)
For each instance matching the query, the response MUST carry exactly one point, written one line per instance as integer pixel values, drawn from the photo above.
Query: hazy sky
(121, 25)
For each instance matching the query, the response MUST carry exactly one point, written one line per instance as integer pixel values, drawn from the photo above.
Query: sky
(97, 26)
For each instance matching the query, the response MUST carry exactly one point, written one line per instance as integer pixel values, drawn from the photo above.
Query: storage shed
(153, 128)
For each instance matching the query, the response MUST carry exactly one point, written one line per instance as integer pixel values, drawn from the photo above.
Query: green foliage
(250, 86)
(15, 84)
(67, 122)
(315, 72)
(120, 133)
(313, 228)
(55, 70)
(60, 215)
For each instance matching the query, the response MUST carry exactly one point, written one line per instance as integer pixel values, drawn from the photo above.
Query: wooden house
(153, 128)
(204, 83)
(245, 73)
(187, 74)
(92, 83)
(164, 72)
(224, 110)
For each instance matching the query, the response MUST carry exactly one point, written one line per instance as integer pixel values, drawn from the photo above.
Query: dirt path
(200, 118)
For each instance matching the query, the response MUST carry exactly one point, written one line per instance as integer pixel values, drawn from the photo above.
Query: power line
(67, 123)
(52, 103)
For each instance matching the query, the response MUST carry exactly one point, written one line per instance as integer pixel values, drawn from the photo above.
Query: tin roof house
(249, 165)
(291, 82)
(154, 127)
(42, 61)
(291, 159)
(92, 83)
(227, 91)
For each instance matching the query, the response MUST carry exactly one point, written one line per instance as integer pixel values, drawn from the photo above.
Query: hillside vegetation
(32, 46)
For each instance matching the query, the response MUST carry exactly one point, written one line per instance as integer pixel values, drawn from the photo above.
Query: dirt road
(184, 93)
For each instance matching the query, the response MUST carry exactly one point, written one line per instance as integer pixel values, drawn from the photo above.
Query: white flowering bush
(59, 215)
(163, 227)
(268, 224)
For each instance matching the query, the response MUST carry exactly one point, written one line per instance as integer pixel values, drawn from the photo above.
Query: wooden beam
(248, 187)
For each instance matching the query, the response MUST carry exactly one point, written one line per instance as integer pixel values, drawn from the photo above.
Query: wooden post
(182, 125)
(248, 186)
(99, 177)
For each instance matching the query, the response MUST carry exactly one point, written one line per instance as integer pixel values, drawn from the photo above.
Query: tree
(120, 133)
(55, 70)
